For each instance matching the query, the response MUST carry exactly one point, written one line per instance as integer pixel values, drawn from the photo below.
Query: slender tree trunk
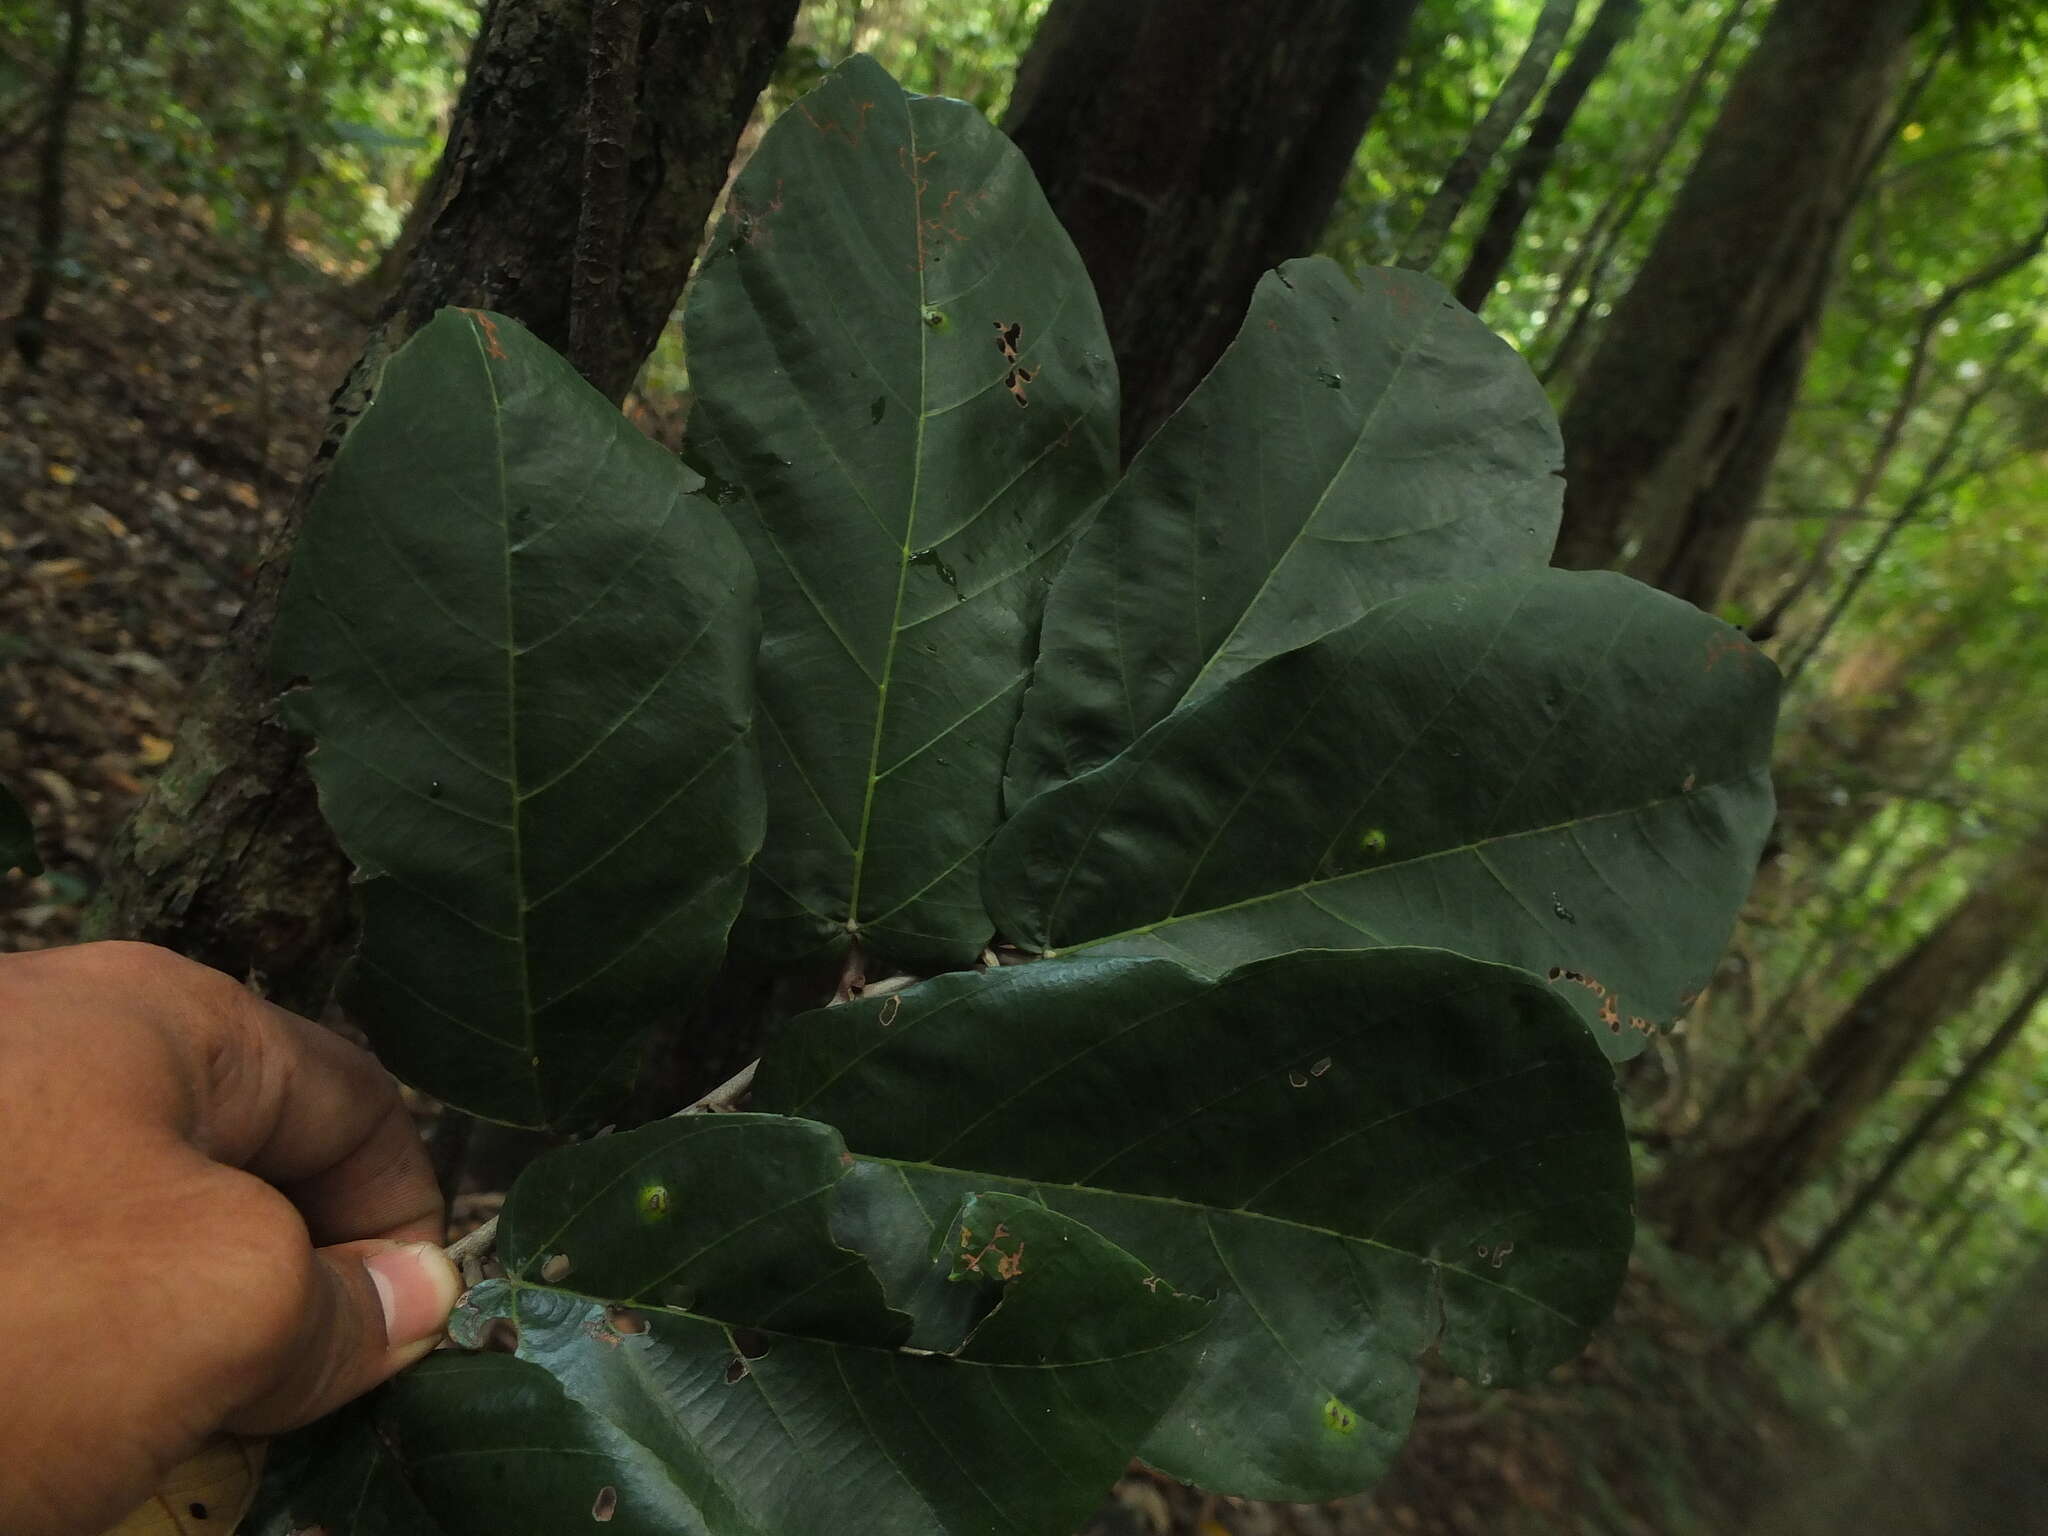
(1595, 254)
(1188, 146)
(1916, 1136)
(306, 108)
(31, 326)
(1722, 312)
(227, 859)
(1695, 563)
(1495, 245)
(1955, 1213)
(1553, 23)
(1727, 1194)
(1692, 555)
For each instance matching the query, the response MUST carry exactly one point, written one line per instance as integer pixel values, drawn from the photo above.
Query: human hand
(213, 1215)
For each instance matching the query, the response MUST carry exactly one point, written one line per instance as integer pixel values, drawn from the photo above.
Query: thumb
(375, 1308)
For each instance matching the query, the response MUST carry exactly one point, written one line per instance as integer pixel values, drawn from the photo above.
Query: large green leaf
(1353, 443)
(901, 370)
(526, 652)
(1356, 1152)
(17, 836)
(1566, 772)
(690, 1338)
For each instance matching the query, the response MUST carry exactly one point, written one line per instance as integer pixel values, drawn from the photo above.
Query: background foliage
(232, 149)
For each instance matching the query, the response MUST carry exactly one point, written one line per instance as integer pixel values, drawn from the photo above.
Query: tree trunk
(31, 326)
(1553, 22)
(1916, 1136)
(1691, 555)
(1595, 253)
(1727, 1194)
(227, 859)
(1714, 331)
(1188, 146)
(1495, 246)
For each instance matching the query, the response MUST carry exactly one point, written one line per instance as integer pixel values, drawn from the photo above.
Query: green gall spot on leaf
(654, 1203)
(1338, 1418)
(1374, 841)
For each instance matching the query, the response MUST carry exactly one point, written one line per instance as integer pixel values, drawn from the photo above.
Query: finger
(304, 1109)
(372, 1309)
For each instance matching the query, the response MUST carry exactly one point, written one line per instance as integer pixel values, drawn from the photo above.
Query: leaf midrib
(513, 832)
(895, 639)
(1301, 886)
(1365, 427)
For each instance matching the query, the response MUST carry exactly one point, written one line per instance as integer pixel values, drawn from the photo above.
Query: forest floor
(141, 469)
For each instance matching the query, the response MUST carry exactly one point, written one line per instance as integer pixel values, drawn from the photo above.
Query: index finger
(298, 1106)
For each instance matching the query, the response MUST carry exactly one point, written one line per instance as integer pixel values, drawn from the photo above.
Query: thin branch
(1780, 1298)
(1494, 246)
(1907, 403)
(1930, 486)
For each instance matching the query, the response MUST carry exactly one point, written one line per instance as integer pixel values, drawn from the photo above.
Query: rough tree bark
(227, 860)
(1495, 245)
(1721, 314)
(1188, 146)
(1727, 1193)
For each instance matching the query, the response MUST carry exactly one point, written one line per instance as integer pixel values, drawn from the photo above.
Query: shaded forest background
(1780, 266)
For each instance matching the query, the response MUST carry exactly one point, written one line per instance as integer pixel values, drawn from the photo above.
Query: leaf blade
(1286, 1152)
(525, 653)
(890, 266)
(1562, 771)
(697, 1424)
(1354, 442)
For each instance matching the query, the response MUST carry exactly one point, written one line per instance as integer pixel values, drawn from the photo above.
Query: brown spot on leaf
(829, 127)
(556, 1268)
(625, 1320)
(605, 1505)
(735, 1370)
(490, 329)
(502, 1334)
(890, 1009)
